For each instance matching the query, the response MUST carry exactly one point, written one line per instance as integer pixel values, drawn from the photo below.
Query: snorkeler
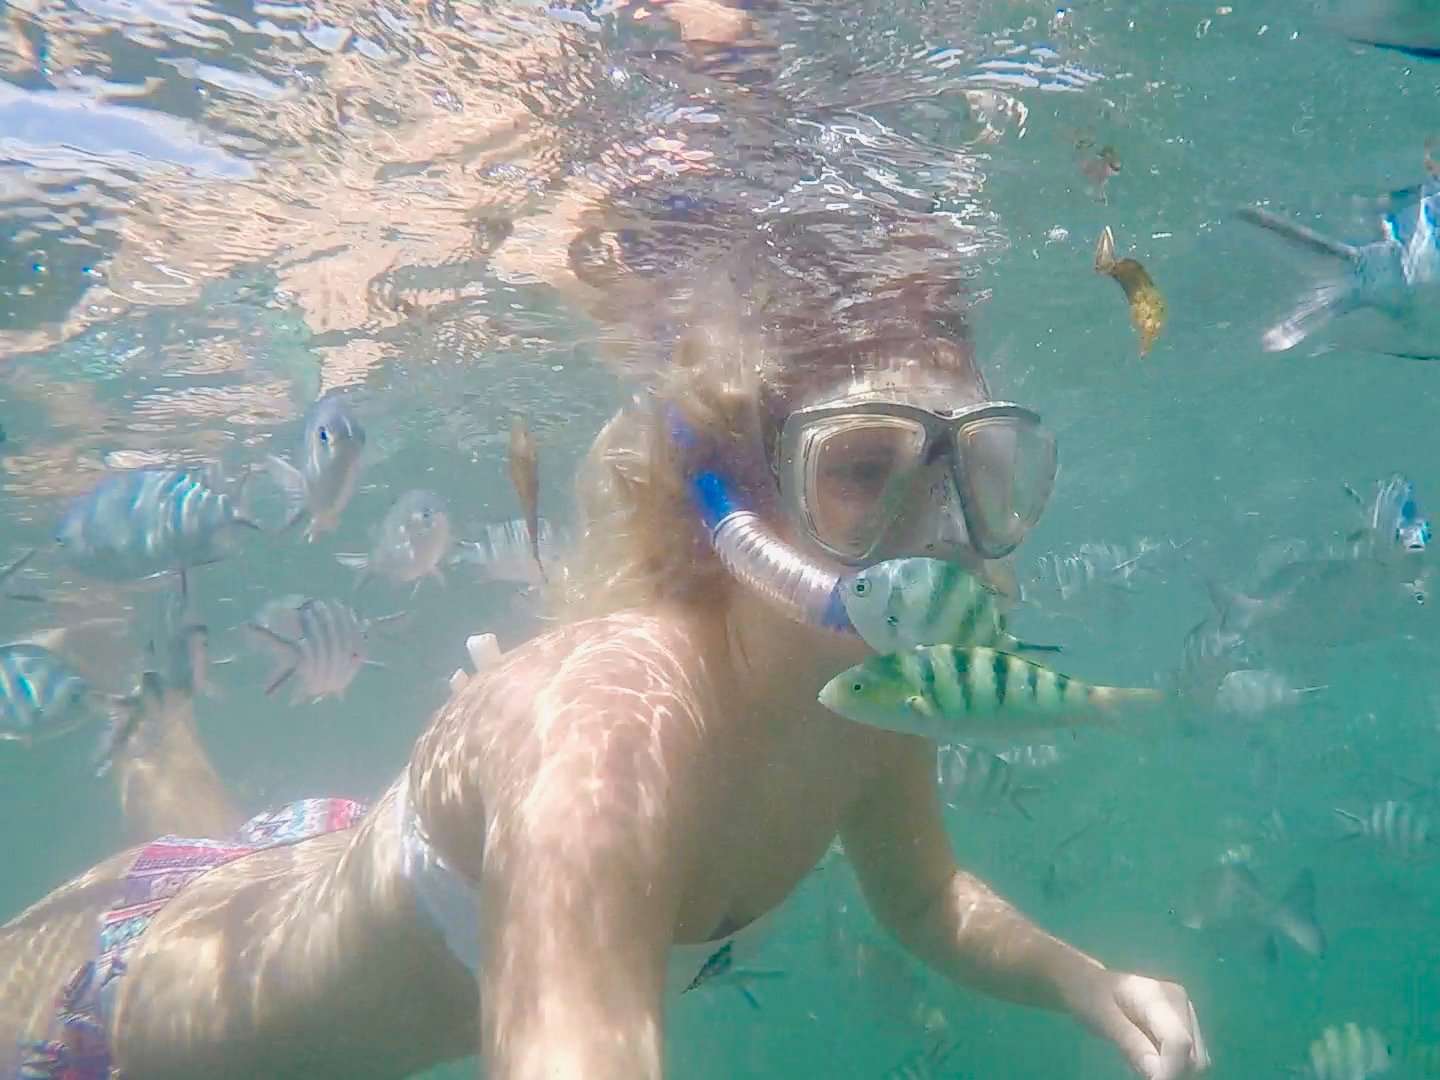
(613, 812)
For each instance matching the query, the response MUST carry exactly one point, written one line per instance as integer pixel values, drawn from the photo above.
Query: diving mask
(869, 479)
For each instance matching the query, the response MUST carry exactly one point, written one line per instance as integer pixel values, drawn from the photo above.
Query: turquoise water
(209, 211)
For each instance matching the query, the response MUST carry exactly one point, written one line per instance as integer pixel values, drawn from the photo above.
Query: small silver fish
(319, 645)
(1252, 693)
(413, 540)
(1227, 900)
(1396, 275)
(927, 1062)
(1064, 578)
(973, 777)
(331, 445)
(41, 696)
(143, 522)
(1396, 828)
(1349, 1053)
(503, 551)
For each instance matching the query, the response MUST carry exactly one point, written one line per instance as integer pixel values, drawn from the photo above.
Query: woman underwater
(611, 812)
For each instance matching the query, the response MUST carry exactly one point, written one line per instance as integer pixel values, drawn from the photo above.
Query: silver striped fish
(902, 603)
(320, 486)
(945, 692)
(1349, 1053)
(40, 695)
(319, 645)
(1396, 828)
(973, 777)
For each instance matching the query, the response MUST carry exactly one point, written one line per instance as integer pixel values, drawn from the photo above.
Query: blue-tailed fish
(902, 603)
(1396, 275)
(414, 538)
(946, 693)
(143, 522)
(319, 645)
(321, 483)
(1349, 1053)
(1392, 519)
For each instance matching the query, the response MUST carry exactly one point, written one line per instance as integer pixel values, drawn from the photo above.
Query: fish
(132, 727)
(1062, 579)
(1080, 860)
(927, 1062)
(1228, 900)
(1395, 275)
(1392, 517)
(319, 487)
(320, 645)
(504, 553)
(1147, 306)
(1329, 601)
(142, 522)
(1251, 692)
(1348, 1053)
(1396, 828)
(14, 568)
(525, 479)
(414, 538)
(902, 603)
(947, 693)
(1097, 166)
(1407, 26)
(41, 696)
(972, 776)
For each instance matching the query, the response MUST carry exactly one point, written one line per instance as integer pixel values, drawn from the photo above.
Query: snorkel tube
(807, 589)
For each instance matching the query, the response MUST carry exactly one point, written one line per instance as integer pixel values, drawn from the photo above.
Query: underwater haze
(214, 211)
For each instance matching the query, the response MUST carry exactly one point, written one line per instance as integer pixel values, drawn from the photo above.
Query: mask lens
(854, 473)
(1005, 469)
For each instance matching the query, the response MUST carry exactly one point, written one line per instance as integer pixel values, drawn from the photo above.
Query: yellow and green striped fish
(946, 692)
(902, 603)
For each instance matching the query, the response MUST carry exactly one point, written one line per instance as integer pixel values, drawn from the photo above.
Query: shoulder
(613, 706)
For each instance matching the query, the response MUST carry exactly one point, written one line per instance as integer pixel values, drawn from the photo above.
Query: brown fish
(1147, 306)
(1097, 166)
(525, 479)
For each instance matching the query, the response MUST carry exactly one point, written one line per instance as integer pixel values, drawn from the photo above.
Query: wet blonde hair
(739, 352)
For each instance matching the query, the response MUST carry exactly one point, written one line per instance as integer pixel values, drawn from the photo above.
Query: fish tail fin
(1351, 825)
(1019, 796)
(132, 726)
(1297, 911)
(1297, 234)
(289, 660)
(1314, 311)
(291, 482)
(357, 562)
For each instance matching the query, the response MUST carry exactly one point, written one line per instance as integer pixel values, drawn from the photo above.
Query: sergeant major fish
(319, 645)
(413, 539)
(972, 776)
(41, 696)
(143, 522)
(947, 693)
(1348, 1053)
(320, 486)
(903, 603)
(1395, 275)
(504, 552)
(1396, 828)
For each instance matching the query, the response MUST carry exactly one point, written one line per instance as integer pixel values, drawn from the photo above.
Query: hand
(1152, 1022)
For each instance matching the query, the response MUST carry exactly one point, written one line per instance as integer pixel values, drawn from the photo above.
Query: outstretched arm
(957, 924)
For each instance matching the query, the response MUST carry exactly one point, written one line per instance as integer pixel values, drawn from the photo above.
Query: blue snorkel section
(805, 588)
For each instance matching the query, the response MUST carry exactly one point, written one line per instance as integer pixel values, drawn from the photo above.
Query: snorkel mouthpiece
(805, 588)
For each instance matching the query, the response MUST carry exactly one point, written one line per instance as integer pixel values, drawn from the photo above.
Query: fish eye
(892, 620)
(861, 587)
(857, 687)
(323, 435)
